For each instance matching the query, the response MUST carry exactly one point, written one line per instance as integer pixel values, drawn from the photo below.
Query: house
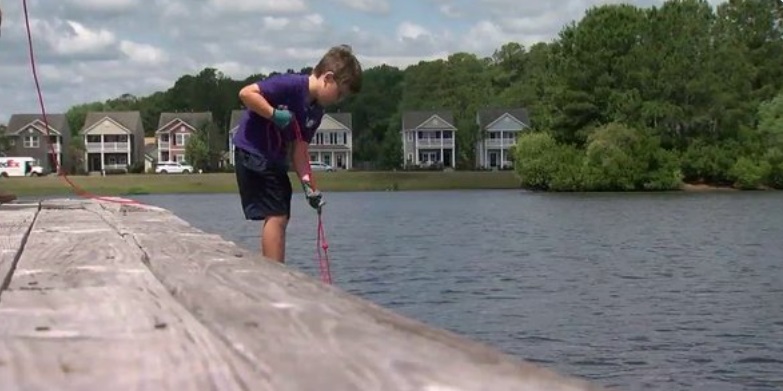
(428, 138)
(174, 131)
(233, 126)
(333, 142)
(28, 137)
(113, 140)
(499, 128)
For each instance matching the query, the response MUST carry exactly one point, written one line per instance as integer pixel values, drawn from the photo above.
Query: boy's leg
(266, 195)
(273, 238)
(278, 212)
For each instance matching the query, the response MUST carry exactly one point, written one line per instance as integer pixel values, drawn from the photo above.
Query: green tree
(203, 149)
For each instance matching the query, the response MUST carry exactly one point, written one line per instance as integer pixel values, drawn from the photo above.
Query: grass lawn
(117, 185)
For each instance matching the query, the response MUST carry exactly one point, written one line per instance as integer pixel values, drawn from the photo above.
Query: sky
(93, 50)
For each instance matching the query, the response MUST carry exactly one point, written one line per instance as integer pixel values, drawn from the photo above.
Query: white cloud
(88, 50)
(244, 6)
(70, 37)
(143, 53)
(408, 30)
(105, 5)
(369, 6)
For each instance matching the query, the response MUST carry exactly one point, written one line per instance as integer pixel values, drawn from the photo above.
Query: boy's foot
(6, 197)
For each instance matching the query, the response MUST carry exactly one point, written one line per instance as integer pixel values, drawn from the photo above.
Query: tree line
(626, 98)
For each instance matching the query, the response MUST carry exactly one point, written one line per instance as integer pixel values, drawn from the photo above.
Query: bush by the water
(615, 157)
(619, 157)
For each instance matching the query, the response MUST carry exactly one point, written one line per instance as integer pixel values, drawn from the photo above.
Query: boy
(285, 111)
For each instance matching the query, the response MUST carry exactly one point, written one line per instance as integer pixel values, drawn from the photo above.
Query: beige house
(333, 142)
(113, 140)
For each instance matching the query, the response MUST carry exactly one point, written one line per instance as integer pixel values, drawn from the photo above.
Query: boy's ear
(329, 76)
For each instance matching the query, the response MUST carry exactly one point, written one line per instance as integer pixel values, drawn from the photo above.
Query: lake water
(680, 291)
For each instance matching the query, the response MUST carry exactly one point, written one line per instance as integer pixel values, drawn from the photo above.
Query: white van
(19, 166)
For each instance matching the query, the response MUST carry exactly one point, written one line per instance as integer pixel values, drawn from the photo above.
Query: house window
(332, 138)
(428, 157)
(179, 158)
(182, 139)
(410, 136)
(32, 142)
(345, 138)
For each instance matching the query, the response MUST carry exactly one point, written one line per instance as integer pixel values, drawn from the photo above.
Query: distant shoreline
(700, 187)
(342, 181)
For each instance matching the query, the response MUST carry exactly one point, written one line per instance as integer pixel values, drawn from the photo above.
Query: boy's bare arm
(251, 96)
(301, 158)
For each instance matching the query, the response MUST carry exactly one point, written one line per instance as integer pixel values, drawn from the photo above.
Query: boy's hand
(314, 197)
(281, 117)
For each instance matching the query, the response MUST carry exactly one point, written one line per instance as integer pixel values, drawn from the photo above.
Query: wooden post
(103, 296)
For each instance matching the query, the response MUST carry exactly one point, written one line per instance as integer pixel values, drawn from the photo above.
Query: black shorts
(264, 187)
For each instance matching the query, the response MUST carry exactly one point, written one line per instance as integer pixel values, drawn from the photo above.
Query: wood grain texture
(309, 336)
(83, 312)
(15, 223)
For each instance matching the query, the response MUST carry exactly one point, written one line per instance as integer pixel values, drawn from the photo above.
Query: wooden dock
(103, 296)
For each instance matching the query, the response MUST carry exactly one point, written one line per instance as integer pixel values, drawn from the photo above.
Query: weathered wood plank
(15, 223)
(83, 312)
(309, 336)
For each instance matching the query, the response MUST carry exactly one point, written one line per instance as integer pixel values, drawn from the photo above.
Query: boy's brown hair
(346, 68)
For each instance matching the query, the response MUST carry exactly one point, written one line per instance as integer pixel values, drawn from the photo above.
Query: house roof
(344, 118)
(488, 116)
(151, 149)
(412, 119)
(189, 118)
(128, 119)
(236, 115)
(18, 121)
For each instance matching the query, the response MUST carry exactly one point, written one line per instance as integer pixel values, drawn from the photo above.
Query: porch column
(502, 148)
(484, 153)
(103, 155)
(86, 155)
(59, 153)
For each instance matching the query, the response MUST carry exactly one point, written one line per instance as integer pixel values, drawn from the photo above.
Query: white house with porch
(113, 140)
(333, 142)
(428, 138)
(500, 128)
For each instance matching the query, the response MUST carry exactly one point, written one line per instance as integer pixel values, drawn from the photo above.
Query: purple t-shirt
(259, 135)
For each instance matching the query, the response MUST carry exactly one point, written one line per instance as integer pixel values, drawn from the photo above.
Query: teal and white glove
(281, 117)
(313, 196)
